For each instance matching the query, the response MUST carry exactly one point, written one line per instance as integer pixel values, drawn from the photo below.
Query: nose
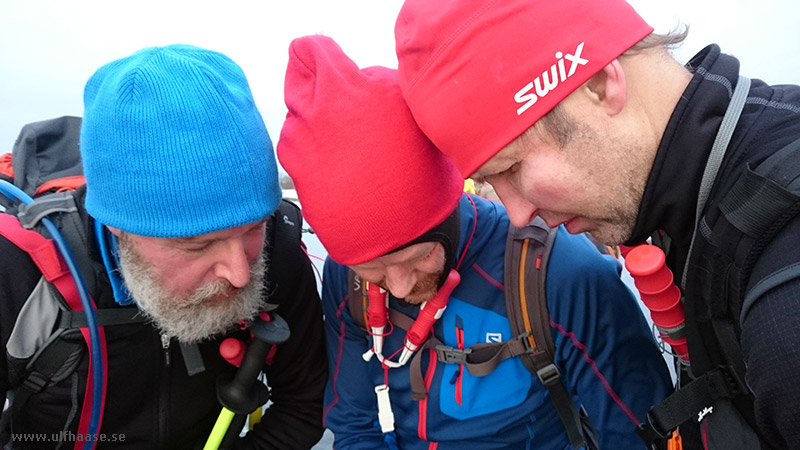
(400, 281)
(233, 264)
(520, 211)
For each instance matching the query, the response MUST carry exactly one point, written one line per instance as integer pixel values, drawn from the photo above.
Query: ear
(115, 231)
(609, 89)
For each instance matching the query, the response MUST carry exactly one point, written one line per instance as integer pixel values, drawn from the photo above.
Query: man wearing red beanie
(577, 113)
(389, 206)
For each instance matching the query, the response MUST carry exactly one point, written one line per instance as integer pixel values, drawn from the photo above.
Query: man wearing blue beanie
(185, 242)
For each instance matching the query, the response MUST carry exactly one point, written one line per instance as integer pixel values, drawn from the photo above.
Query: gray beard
(189, 318)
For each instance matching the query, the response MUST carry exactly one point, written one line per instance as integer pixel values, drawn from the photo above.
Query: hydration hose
(241, 394)
(18, 195)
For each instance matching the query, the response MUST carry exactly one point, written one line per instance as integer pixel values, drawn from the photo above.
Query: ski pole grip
(242, 394)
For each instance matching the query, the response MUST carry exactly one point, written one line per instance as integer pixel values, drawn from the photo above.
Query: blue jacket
(604, 349)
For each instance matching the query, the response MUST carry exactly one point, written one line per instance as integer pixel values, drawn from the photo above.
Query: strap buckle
(549, 374)
(450, 355)
(651, 433)
(35, 382)
(526, 342)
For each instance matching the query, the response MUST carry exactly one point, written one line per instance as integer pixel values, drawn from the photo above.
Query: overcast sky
(49, 48)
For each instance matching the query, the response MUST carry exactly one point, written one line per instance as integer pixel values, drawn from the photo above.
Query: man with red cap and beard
(389, 206)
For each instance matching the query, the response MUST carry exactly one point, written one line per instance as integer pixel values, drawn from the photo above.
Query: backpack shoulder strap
(60, 353)
(731, 240)
(357, 299)
(288, 225)
(42, 251)
(527, 255)
(285, 239)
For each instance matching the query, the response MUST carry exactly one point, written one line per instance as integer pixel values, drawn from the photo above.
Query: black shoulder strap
(288, 230)
(526, 258)
(357, 299)
(286, 233)
(760, 203)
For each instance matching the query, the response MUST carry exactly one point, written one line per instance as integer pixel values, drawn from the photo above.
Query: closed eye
(197, 248)
(512, 169)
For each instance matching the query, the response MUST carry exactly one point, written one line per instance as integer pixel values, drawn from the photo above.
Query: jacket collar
(669, 200)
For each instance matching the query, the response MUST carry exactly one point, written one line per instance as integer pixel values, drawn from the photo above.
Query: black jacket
(151, 401)
(770, 331)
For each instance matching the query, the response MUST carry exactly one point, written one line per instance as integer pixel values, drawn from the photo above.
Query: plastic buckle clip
(649, 432)
(526, 339)
(549, 374)
(450, 355)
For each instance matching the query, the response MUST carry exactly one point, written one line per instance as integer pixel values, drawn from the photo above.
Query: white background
(49, 48)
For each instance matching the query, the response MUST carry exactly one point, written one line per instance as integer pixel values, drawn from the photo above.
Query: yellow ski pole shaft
(219, 430)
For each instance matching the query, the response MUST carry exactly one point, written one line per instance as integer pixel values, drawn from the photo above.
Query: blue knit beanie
(173, 145)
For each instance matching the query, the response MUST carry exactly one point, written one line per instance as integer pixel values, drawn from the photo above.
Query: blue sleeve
(350, 404)
(604, 347)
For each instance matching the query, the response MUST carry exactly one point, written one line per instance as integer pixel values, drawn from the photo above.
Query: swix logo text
(549, 79)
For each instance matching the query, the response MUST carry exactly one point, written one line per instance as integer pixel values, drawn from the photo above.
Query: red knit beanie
(367, 178)
(478, 73)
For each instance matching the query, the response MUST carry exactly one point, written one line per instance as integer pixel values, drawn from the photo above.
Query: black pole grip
(242, 393)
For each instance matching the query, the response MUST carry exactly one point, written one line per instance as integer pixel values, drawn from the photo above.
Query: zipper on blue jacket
(458, 375)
